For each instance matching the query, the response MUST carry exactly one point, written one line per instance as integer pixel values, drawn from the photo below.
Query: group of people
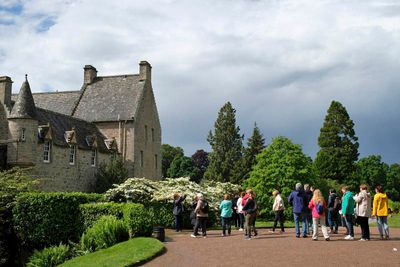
(349, 210)
(308, 205)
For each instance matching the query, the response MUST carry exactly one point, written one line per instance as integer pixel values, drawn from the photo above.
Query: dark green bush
(138, 219)
(91, 212)
(50, 257)
(106, 232)
(46, 219)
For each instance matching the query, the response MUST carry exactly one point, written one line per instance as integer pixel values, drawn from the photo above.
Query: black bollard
(159, 233)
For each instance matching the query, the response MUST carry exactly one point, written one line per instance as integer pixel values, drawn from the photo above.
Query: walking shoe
(222, 235)
(271, 231)
(255, 233)
(327, 239)
(335, 232)
(387, 237)
(315, 239)
(192, 235)
(204, 236)
(247, 238)
(349, 237)
(305, 236)
(240, 229)
(362, 239)
(297, 236)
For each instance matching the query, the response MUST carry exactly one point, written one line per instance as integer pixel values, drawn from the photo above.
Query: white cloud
(279, 62)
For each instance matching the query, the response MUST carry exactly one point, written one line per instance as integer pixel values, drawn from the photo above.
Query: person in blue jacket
(298, 201)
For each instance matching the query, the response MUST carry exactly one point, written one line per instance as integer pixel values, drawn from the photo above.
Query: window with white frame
(72, 154)
(46, 151)
(93, 158)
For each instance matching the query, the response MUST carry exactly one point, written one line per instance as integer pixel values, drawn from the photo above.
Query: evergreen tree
(371, 171)
(114, 172)
(255, 144)
(393, 182)
(226, 144)
(338, 143)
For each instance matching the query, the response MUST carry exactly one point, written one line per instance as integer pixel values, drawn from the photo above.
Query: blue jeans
(349, 223)
(226, 223)
(304, 226)
(332, 220)
(382, 225)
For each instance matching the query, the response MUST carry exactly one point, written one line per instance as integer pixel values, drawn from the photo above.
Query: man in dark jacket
(333, 210)
(298, 201)
(178, 211)
(309, 196)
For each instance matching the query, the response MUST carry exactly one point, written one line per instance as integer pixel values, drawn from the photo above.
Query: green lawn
(393, 221)
(128, 253)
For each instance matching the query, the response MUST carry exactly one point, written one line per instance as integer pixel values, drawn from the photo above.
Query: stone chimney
(144, 71)
(90, 73)
(5, 91)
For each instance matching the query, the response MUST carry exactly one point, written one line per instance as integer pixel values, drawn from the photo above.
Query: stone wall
(148, 141)
(60, 175)
(23, 152)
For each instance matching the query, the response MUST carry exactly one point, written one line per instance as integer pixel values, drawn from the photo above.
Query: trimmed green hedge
(46, 219)
(91, 212)
(138, 220)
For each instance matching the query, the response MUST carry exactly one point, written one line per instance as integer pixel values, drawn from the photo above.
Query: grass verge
(129, 253)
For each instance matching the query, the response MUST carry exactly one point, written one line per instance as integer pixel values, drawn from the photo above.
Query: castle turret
(23, 127)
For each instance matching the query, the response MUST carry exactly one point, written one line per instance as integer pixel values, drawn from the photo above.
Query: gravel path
(271, 249)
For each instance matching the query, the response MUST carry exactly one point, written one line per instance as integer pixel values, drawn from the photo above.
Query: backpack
(337, 205)
(205, 207)
(320, 208)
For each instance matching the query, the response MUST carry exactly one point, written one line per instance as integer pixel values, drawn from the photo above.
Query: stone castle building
(63, 136)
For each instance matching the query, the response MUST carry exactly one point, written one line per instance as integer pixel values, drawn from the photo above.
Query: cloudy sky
(279, 62)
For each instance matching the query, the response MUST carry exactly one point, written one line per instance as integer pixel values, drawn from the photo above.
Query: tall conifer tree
(255, 144)
(226, 144)
(339, 147)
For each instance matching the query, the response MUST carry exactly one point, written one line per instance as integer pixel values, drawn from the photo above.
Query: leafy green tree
(371, 171)
(339, 147)
(279, 167)
(393, 182)
(201, 162)
(255, 144)
(226, 144)
(110, 173)
(182, 167)
(168, 153)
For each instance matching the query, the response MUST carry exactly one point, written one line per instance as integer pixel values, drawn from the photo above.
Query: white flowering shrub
(143, 190)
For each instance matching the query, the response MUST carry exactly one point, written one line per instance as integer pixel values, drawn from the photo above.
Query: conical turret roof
(24, 107)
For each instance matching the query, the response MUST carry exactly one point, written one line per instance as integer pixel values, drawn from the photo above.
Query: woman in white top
(278, 207)
(240, 211)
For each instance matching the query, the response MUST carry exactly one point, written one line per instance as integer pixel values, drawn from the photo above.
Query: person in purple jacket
(298, 201)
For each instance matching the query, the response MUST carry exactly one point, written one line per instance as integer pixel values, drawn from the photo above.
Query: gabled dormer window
(72, 154)
(46, 151)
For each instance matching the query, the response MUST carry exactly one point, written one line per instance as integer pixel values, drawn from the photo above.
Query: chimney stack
(5, 91)
(144, 71)
(90, 73)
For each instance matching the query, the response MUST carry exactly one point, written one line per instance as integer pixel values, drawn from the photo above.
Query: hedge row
(46, 219)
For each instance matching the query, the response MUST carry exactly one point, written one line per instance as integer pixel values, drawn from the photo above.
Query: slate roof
(61, 123)
(24, 107)
(109, 96)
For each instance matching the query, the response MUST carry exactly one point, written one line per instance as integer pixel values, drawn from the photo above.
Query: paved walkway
(269, 249)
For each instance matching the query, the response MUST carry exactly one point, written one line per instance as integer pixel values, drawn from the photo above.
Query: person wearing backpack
(333, 211)
(317, 206)
(348, 211)
(178, 211)
(363, 211)
(226, 214)
(201, 212)
(250, 210)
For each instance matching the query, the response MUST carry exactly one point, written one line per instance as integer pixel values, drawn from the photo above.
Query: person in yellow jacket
(380, 210)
